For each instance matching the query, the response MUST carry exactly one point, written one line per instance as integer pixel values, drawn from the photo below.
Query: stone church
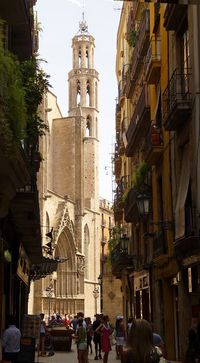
(69, 192)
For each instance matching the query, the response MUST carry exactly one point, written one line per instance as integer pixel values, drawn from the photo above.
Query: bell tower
(83, 98)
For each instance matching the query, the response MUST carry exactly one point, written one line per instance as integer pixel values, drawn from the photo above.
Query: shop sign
(23, 267)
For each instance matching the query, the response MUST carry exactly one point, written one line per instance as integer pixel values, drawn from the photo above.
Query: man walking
(11, 341)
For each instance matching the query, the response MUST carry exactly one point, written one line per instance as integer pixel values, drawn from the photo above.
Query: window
(88, 127)
(78, 94)
(86, 250)
(79, 58)
(88, 93)
(87, 58)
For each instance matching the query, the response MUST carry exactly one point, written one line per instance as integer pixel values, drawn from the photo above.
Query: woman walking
(120, 337)
(106, 331)
(140, 347)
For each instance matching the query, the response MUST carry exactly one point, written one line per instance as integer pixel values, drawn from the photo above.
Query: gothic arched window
(96, 95)
(88, 130)
(88, 93)
(87, 58)
(96, 133)
(79, 58)
(86, 250)
(78, 93)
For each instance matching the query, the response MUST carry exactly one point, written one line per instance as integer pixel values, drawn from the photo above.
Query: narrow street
(71, 357)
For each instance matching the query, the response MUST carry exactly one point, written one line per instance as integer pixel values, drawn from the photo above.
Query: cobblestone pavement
(71, 357)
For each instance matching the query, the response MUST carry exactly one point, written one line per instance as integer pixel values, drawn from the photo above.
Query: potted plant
(156, 136)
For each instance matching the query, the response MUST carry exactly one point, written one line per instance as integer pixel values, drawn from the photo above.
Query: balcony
(144, 31)
(159, 244)
(140, 123)
(121, 260)
(118, 165)
(117, 117)
(188, 246)
(118, 204)
(131, 21)
(26, 215)
(154, 146)
(173, 16)
(17, 15)
(177, 100)
(121, 91)
(153, 61)
(139, 52)
(130, 207)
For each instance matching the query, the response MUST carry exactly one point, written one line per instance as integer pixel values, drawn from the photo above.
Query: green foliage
(125, 195)
(139, 175)
(12, 101)
(22, 86)
(35, 82)
(131, 37)
(113, 241)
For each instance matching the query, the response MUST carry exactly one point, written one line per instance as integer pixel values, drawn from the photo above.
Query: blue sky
(59, 21)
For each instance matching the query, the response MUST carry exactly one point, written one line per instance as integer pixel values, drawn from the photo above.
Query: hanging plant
(35, 82)
(139, 175)
(12, 100)
(131, 37)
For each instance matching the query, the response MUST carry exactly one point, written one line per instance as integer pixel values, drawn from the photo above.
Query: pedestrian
(158, 342)
(106, 331)
(97, 337)
(42, 335)
(11, 341)
(140, 347)
(89, 334)
(74, 322)
(119, 336)
(81, 340)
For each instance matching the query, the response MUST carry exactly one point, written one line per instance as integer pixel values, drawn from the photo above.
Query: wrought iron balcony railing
(153, 61)
(140, 122)
(177, 99)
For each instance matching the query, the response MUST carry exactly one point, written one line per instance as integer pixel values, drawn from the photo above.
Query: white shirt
(11, 339)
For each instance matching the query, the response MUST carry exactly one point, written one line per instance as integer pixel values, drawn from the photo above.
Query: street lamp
(124, 241)
(49, 294)
(143, 204)
(96, 295)
(100, 281)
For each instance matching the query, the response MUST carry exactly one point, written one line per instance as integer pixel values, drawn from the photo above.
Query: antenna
(83, 13)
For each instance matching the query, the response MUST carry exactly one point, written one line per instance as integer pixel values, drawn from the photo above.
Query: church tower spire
(83, 93)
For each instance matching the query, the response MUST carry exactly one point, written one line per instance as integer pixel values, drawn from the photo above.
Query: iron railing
(177, 91)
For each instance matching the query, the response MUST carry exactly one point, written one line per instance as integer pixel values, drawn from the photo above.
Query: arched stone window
(87, 58)
(88, 131)
(88, 93)
(79, 58)
(96, 96)
(47, 225)
(86, 250)
(78, 93)
(96, 126)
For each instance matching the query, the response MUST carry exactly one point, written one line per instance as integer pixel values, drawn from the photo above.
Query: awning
(182, 194)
